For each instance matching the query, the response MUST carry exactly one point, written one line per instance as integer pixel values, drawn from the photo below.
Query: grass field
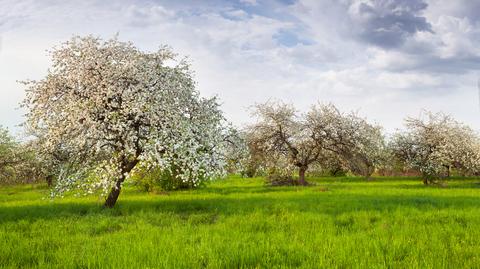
(338, 223)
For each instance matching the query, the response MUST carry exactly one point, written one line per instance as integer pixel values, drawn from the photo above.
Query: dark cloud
(433, 64)
(452, 65)
(388, 23)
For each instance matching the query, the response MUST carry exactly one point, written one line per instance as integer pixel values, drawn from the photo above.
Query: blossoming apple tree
(321, 136)
(358, 144)
(284, 138)
(436, 143)
(113, 108)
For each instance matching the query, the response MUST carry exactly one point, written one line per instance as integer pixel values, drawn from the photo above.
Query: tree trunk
(115, 191)
(425, 181)
(368, 172)
(49, 180)
(301, 175)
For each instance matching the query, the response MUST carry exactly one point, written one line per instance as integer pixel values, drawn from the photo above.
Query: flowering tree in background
(322, 136)
(8, 156)
(357, 143)
(112, 106)
(285, 137)
(243, 154)
(436, 144)
(236, 151)
(19, 162)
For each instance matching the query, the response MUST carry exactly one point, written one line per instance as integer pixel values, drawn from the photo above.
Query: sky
(384, 59)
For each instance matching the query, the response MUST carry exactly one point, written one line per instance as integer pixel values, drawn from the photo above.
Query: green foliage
(240, 223)
(164, 179)
(146, 180)
(328, 172)
(328, 169)
(280, 180)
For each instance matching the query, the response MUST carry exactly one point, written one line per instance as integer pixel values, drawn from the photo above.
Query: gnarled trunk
(301, 175)
(49, 180)
(369, 171)
(115, 191)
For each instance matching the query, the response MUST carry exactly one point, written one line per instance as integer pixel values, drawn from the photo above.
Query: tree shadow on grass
(262, 189)
(442, 185)
(333, 183)
(469, 185)
(317, 203)
(361, 179)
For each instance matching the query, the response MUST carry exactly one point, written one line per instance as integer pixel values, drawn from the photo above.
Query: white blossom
(289, 140)
(435, 144)
(112, 106)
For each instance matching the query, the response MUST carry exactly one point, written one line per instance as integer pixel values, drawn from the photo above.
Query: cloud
(387, 23)
(141, 16)
(249, 2)
(459, 8)
(454, 47)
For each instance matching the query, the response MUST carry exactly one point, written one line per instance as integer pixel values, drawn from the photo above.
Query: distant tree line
(328, 141)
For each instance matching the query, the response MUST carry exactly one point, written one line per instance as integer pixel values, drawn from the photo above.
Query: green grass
(239, 223)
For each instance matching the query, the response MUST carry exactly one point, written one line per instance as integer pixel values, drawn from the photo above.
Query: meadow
(342, 222)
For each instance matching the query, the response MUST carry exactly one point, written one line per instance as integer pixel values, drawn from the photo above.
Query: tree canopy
(112, 106)
(323, 135)
(436, 143)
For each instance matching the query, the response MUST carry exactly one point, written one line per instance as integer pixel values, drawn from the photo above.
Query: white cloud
(249, 2)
